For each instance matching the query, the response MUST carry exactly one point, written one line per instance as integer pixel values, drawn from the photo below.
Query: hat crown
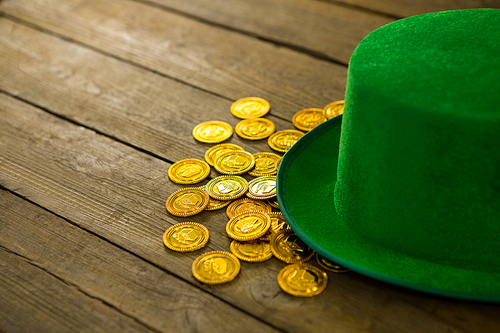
(420, 173)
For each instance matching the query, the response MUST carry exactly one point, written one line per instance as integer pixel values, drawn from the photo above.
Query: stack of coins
(256, 226)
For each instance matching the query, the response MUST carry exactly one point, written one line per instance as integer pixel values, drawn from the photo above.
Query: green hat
(405, 186)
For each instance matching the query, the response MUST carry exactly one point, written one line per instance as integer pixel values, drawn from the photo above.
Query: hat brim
(305, 192)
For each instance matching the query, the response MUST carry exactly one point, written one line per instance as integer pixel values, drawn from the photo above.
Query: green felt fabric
(415, 199)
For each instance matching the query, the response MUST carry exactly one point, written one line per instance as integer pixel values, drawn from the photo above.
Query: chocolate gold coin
(248, 226)
(186, 237)
(253, 251)
(274, 203)
(216, 267)
(307, 119)
(214, 204)
(265, 164)
(278, 222)
(187, 201)
(288, 247)
(262, 188)
(330, 265)
(282, 141)
(255, 128)
(189, 171)
(250, 107)
(333, 109)
(302, 280)
(226, 187)
(212, 131)
(234, 162)
(212, 153)
(246, 205)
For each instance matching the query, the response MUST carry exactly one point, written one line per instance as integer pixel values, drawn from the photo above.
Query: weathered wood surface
(104, 274)
(118, 193)
(115, 89)
(211, 58)
(33, 300)
(113, 97)
(402, 8)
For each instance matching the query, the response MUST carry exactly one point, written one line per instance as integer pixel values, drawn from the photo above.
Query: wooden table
(99, 97)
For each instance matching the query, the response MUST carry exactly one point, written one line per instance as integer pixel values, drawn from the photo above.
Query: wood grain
(214, 59)
(131, 104)
(137, 289)
(403, 8)
(325, 29)
(33, 300)
(118, 193)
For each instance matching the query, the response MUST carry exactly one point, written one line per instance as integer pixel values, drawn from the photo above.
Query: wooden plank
(134, 105)
(119, 194)
(403, 8)
(35, 301)
(104, 272)
(215, 59)
(326, 29)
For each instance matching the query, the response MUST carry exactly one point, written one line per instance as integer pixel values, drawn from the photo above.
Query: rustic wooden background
(99, 97)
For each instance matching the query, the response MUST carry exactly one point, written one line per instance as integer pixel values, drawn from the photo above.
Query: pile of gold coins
(255, 224)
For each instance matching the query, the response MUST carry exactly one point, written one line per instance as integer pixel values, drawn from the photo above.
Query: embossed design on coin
(307, 119)
(214, 152)
(186, 237)
(216, 267)
(246, 205)
(255, 128)
(250, 107)
(265, 164)
(262, 188)
(248, 226)
(253, 251)
(282, 141)
(187, 202)
(288, 247)
(212, 131)
(330, 265)
(188, 171)
(234, 162)
(274, 203)
(278, 222)
(302, 280)
(333, 109)
(214, 204)
(227, 187)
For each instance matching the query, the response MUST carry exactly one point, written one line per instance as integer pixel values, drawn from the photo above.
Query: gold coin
(216, 267)
(246, 205)
(186, 237)
(278, 222)
(253, 251)
(212, 131)
(330, 265)
(250, 107)
(267, 236)
(274, 204)
(255, 128)
(248, 226)
(282, 141)
(234, 162)
(307, 119)
(278, 162)
(215, 204)
(265, 164)
(187, 201)
(262, 188)
(226, 187)
(212, 153)
(333, 109)
(302, 280)
(288, 247)
(189, 171)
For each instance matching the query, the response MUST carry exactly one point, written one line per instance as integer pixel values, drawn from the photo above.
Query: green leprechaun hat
(405, 186)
